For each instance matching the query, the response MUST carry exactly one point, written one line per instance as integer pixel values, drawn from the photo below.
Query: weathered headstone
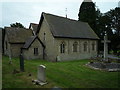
(106, 41)
(21, 63)
(41, 73)
(41, 76)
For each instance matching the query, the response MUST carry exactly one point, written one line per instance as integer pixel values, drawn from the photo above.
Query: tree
(114, 24)
(114, 15)
(17, 25)
(100, 23)
(87, 13)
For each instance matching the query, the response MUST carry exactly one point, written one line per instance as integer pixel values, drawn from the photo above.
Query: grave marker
(105, 41)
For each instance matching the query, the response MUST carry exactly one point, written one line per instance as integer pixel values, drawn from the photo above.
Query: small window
(93, 46)
(75, 47)
(35, 51)
(62, 47)
(85, 46)
(44, 36)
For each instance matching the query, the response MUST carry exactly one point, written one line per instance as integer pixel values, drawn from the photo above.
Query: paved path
(113, 57)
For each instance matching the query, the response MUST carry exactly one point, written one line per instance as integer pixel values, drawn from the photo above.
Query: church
(65, 39)
(59, 38)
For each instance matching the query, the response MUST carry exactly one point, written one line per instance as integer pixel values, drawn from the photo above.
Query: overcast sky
(27, 12)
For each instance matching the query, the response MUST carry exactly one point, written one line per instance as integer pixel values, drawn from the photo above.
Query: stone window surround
(75, 46)
(62, 47)
(85, 46)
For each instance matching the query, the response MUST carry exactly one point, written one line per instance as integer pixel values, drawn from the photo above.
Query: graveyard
(67, 74)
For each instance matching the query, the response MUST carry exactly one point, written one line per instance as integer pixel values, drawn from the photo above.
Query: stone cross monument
(105, 41)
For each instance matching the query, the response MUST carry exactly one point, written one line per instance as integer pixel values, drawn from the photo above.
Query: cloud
(27, 12)
(58, 1)
(31, 12)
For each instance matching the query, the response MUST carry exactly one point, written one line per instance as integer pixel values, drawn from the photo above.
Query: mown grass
(68, 74)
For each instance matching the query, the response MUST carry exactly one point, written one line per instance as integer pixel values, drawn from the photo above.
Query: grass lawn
(68, 74)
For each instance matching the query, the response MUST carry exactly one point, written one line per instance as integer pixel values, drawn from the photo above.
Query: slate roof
(62, 27)
(17, 35)
(34, 26)
(30, 40)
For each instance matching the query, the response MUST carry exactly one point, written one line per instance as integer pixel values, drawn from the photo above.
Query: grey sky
(27, 12)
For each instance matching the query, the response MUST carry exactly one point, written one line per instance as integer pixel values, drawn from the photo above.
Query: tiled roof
(68, 28)
(17, 35)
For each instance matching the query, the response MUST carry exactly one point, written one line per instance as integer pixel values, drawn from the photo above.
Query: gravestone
(58, 58)
(41, 76)
(105, 41)
(41, 73)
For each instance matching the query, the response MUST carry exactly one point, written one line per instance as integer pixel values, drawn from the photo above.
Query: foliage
(87, 13)
(17, 25)
(99, 22)
(67, 74)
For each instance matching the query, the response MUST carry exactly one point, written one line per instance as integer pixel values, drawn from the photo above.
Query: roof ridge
(64, 17)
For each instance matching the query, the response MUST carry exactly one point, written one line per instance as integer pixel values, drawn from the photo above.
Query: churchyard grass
(67, 74)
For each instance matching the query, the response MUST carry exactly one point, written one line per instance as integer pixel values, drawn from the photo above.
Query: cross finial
(66, 12)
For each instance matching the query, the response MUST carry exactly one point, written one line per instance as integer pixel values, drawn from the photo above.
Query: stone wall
(29, 53)
(15, 49)
(12, 49)
(0, 41)
(6, 44)
(80, 54)
(47, 38)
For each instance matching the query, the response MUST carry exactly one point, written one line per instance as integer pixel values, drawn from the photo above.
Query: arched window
(85, 46)
(62, 47)
(75, 47)
(93, 46)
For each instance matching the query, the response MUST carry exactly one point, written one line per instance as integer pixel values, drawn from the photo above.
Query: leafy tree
(108, 22)
(114, 15)
(87, 13)
(114, 24)
(100, 23)
(17, 25)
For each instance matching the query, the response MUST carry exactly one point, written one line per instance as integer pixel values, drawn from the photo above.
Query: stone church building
(66, 39)
(58, 38)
